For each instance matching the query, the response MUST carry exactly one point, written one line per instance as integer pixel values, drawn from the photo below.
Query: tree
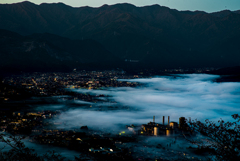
(223, 141)
(19, 152)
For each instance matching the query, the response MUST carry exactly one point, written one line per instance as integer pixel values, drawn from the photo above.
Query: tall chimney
(163, 118)
(153, 119)
(189, 119)
(168, 120)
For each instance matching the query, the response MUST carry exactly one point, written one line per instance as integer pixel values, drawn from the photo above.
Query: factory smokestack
(153, 119)
(163, 119)
(189, 119)
(168, 120)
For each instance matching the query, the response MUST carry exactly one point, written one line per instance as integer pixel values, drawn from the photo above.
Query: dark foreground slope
(48, 52)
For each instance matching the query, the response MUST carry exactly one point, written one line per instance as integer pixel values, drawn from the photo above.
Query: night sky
(203, 5)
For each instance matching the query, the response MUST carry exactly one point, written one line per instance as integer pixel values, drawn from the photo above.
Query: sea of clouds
(188, 95)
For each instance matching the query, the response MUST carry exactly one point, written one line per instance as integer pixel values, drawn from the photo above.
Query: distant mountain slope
(228, 71)
(48, 52)
(151, 36)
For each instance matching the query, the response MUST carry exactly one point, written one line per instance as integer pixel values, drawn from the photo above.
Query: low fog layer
(193, 95)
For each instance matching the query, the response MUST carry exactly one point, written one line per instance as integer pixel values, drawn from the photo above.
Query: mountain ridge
(154, 36)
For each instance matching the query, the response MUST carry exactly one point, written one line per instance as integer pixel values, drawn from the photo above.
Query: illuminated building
(156, 129)
(156, 133)
(173, 125)
(153, 128)
(168, 132)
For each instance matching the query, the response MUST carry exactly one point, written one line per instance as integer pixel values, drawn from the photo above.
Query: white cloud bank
(194, 95)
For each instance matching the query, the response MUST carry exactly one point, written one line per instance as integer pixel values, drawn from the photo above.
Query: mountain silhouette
(48, 52)
(137, 37)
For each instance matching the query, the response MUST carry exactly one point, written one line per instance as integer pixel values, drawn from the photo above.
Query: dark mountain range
(141, 37)
(228, 71)
(48, 52)
(230, 74)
